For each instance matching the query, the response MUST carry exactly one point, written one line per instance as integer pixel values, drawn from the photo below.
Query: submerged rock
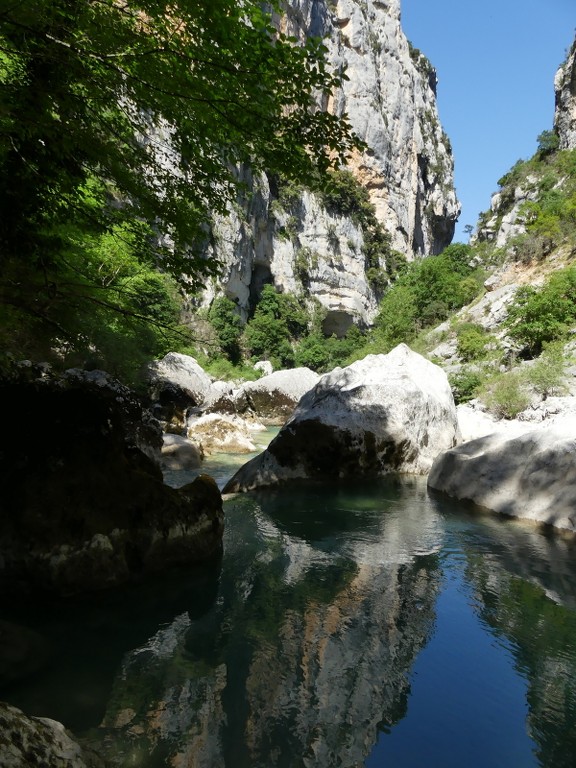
(83, 507)
(531, 476)
(384, 413)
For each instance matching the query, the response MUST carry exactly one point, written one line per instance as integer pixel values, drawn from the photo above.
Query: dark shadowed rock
(83, 507)
(38, 742)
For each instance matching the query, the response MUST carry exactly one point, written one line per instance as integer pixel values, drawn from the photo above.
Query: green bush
(546, 374)
(471, 341)
(506, 394)
(225, 320)
(465, 384)
(278, 321)
(540, 316)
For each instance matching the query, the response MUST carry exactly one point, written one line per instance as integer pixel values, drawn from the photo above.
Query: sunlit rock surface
(565, 90)
(384, 413)
(532, 476)
(407, 169)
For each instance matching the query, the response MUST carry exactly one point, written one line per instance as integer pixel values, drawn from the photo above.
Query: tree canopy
(127, 122)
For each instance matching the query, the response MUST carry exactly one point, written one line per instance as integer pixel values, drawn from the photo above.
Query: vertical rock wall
(407, 169)
(565, 89)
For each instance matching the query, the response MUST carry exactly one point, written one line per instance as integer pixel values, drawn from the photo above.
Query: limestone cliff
(390, 98)
(565, 90)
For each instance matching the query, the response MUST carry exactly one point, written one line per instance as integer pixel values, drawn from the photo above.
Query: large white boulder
(384, 413)
(531, 476)
(182, 373)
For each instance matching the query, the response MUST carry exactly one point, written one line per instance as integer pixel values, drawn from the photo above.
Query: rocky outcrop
(83, 507)
(271, 398)
(301, 246)
(221, 433)
(178, 452)
(38, 742)
(531, 476)
(384, 413)
(177, 383)
(565, 91)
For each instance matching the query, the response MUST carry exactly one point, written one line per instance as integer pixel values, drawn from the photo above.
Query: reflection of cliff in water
(525, 593)
(308, 649)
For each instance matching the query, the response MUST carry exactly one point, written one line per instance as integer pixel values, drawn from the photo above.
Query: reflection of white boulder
(531, 476)
(384, 413)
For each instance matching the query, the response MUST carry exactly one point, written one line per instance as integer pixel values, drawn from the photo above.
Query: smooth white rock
(530, 476)
(384, 413)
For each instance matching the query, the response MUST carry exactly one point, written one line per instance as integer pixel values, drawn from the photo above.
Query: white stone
(219, 433)
(183, 372)
(179, 452)
(384, 413)
(531, 476)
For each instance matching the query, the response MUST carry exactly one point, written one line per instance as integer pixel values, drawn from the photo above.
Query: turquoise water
(361, 625)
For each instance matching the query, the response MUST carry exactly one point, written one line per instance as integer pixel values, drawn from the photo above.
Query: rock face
(407, 169)
(26, 742)
(384, 413)
(531, 476)
(83, 507)
(565, 90)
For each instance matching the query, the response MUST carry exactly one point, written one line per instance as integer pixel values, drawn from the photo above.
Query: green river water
(369, 624)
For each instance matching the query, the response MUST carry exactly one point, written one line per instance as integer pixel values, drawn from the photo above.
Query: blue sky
(496, 62)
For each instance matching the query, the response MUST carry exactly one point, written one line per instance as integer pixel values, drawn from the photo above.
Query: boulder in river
(177, 383)
(223, 433)
(384, 413)
(271, 398)
(530, 476)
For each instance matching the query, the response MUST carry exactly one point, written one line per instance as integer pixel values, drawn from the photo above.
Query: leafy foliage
(278, 320)
(123, 125)
(225, 320)
(546, 374)
(506, 394)
(465, 384)
(540, 316)
(425, 293)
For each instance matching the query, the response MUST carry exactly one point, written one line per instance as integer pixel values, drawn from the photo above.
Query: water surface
(366, 624)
